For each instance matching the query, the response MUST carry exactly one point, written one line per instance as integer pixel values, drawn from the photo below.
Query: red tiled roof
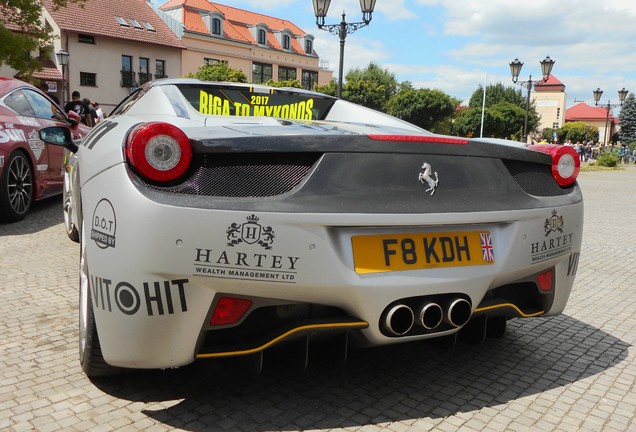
(551, 84)
(584, 112)
(237, 22)
(49, 71)
(98, 18)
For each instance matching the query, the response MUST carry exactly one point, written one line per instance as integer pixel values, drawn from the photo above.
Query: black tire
(90, 352)
(16, 187)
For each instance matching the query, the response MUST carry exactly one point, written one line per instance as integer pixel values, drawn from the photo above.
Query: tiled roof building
(263, 47)
(113, 46)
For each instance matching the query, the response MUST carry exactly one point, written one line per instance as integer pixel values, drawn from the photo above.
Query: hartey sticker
(553, 246)
(244, 264)
(165, 297)
(553, 224)
(36, 144)
(104, 225)
(250, 232)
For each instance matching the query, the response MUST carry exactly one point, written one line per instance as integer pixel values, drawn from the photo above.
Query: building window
(286, 73)
(88, 79)
(122, 22)
(262, 37)
(87, 39)
(286, 42)
(558, 113)
(135, 23)
(555, 125)
(160, 69)
(310, 79)
(144, 73)
(211, 61)
(309, 46)
(127, 74)
(261, 73)
(216, 26)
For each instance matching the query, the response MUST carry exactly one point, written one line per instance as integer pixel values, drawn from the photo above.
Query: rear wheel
(90, 351)
(16, 188)
(69, 211)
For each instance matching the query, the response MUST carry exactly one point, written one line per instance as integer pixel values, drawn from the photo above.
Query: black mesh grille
(245, 175)
(535, 179)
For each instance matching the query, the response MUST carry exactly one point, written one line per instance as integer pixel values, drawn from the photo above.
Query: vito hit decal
(557, 242)
(155, 298)
(251, 262)
(104, 225)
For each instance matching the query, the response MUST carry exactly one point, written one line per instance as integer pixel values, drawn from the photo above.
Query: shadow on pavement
(380, 385)
(43, 214)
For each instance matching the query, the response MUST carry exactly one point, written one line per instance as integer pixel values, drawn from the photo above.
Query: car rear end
(237, 237)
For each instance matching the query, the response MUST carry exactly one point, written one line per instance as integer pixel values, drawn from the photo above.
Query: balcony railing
(144, 77)
(128, 79)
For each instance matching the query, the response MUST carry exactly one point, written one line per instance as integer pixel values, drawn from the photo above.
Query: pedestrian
(45, 88)
(99, 112)
(92, 114)
(80, 108)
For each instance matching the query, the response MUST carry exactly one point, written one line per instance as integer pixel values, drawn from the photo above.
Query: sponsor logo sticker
(249, 257)
(104, 225)
(557, 243)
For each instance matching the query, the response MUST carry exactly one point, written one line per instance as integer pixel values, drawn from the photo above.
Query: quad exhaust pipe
(430, 315)
(458, 312)
(401, 318)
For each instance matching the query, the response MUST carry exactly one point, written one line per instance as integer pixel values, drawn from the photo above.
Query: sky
(457, 45)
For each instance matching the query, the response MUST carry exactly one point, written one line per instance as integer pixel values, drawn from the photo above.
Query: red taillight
(159, 152)
(545, 280)
(565, 162)
(229, 310)
(419, 138)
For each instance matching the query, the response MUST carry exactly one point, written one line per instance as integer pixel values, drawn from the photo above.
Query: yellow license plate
(415, 251)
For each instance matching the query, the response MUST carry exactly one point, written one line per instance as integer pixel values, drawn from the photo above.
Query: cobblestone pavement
(576, 371)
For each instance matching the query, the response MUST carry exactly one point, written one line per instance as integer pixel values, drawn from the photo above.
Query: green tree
(22, 30)
(286, 83)
(381, 78)
(330, 88)
(422, 107)
(577, 131)
(504, 115)
(218, 72)
(627, 120)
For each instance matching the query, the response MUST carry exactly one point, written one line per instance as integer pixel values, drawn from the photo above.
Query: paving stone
(576, 371)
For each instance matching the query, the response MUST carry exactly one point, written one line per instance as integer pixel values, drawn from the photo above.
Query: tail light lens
(546, 281)
(160, 152)
(565, 162)
(229, 310)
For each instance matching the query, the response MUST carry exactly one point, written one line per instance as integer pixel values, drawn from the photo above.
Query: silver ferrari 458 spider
(219, 220)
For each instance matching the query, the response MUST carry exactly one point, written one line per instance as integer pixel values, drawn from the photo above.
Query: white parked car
(220, 219)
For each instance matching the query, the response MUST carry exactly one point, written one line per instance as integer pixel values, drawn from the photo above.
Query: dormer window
(216, 26)
(309, 46)
(286, 42)
(262, 37)
(214, 23)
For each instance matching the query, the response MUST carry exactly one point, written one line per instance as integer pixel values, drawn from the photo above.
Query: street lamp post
(343, 29)
(622, 94)
(62, 59)
(515, 69)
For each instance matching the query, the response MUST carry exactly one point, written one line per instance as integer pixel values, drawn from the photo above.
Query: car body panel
(24, 110)
(340, 239)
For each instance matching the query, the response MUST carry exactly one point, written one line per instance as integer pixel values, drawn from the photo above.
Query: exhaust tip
(399, 320)
(458, 312)
(430, 316)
